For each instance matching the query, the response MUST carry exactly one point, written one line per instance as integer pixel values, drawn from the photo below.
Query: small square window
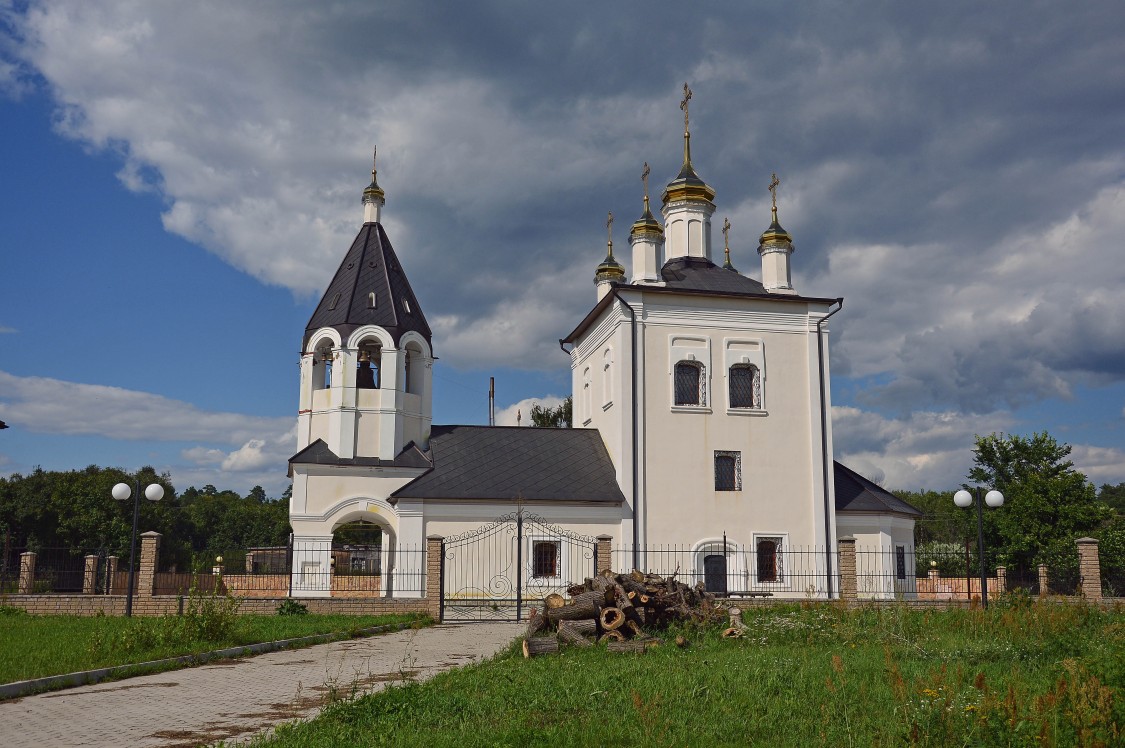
(545, 558)
(728, 471)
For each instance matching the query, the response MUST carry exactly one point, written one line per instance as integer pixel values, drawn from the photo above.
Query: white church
(701, 439)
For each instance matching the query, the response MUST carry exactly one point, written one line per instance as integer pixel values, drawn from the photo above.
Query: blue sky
(180, 181)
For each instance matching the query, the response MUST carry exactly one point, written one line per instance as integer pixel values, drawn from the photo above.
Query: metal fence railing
(303, 568)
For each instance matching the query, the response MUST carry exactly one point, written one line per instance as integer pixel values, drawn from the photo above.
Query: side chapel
(701, 415)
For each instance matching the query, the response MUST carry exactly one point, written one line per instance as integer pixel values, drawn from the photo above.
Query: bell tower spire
(647, 239)
(373, 197)
(775, 246)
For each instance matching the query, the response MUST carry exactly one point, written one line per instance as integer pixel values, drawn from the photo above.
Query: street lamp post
(121, 492)
(994, 499)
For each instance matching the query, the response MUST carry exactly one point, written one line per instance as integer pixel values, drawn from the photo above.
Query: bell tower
(366, 355)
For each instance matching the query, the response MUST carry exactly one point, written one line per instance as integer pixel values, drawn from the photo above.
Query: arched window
(412, 379)
(745, 386)
(607, 378)
(322, 367)
(690, 383)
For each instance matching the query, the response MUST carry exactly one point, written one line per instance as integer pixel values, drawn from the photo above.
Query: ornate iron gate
(497, 570)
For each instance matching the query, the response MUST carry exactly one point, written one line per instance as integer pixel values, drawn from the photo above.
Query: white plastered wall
(877, 536)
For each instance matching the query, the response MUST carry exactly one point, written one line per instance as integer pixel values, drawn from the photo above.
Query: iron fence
(302, 569)
(56, 570)
(768, 569)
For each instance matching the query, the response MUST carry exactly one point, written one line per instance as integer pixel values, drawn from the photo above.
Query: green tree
(1114, 496)
(1047, 503)
(558, 418)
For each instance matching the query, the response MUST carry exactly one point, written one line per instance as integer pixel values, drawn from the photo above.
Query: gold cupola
(774, 247)
(610, 270)
(687, 186)
(646, 225)
(373, 197)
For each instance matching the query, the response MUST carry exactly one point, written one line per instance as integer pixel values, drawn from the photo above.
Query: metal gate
(493, 573)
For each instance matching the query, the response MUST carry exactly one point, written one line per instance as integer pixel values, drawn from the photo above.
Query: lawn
(1022, 674)
(37, 646)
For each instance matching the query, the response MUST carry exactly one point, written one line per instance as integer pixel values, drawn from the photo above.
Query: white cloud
(1100, 464)
(54, 406)
(7, 330)
(507, 416)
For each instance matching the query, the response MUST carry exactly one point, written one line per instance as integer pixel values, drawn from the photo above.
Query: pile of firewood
(623, 610)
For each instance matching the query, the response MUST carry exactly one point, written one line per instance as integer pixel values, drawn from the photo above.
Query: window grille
(769, 558)
(900, 562)
(745, 386)
(728, 471)
(690, 388)
(545, 558)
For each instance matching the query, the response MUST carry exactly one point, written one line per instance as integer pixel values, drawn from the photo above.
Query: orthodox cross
(774, 182)
(644, 180)
(374, 155)
(684, 105)
(609, 230)
(726, 234)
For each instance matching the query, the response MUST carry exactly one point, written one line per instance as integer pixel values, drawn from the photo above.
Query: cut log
(554, 600)
(612, 618)
(633, 630)
(535, 623)
(681, 642)
(540, 645)
(612, 636)
(570, 635)
(732, 633)
(586, 627)
(736, 619)
(585, 605)
(636, 647)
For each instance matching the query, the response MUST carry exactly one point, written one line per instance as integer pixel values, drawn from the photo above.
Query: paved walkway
(235, 699)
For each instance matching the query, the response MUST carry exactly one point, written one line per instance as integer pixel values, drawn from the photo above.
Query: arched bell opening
(369, 364)
(323, 359)
(415, 369)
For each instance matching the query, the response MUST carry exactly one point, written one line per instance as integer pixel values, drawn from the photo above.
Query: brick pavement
(236, 699)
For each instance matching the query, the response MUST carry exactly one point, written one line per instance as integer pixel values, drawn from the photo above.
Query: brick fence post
(435, 546)
(110, 574)
(1001, 580)
(146, 572)
(605, 554)
(848, 586)
(27, 573)
(1044, 580)
(90, 575)
(1089, 569)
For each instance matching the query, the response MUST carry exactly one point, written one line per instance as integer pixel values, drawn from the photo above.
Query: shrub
(290, 607)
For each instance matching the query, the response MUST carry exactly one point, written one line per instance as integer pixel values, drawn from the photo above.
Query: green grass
(812, 675)
(38, 646)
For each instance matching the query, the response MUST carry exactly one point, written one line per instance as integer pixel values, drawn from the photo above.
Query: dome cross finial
(374, 156)
(644, 181)
(609, 231)
(687, 130)
(774, 184)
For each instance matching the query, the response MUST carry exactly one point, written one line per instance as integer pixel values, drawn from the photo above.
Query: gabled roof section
(318, 453)
(369, 266)
(510, 462)
(854, 493)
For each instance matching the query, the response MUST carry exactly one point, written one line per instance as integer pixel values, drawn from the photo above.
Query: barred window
(545, 559)
(728, 471)
(900, 562)
(690, 388)
(769, 560)
(745, 386)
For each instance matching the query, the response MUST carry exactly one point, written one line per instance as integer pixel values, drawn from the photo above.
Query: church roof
(854, 493)
(369, 266)
(509, 462)
(695, 275)
(318, 453)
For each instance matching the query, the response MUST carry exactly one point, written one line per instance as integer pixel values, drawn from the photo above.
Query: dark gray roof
(509, 462)
(854, 493)
(318, 453)
(370, 265)
(700, 274)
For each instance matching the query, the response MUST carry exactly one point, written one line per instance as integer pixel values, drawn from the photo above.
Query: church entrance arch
(498, 570)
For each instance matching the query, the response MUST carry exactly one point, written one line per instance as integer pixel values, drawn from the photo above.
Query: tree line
(74, 509)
